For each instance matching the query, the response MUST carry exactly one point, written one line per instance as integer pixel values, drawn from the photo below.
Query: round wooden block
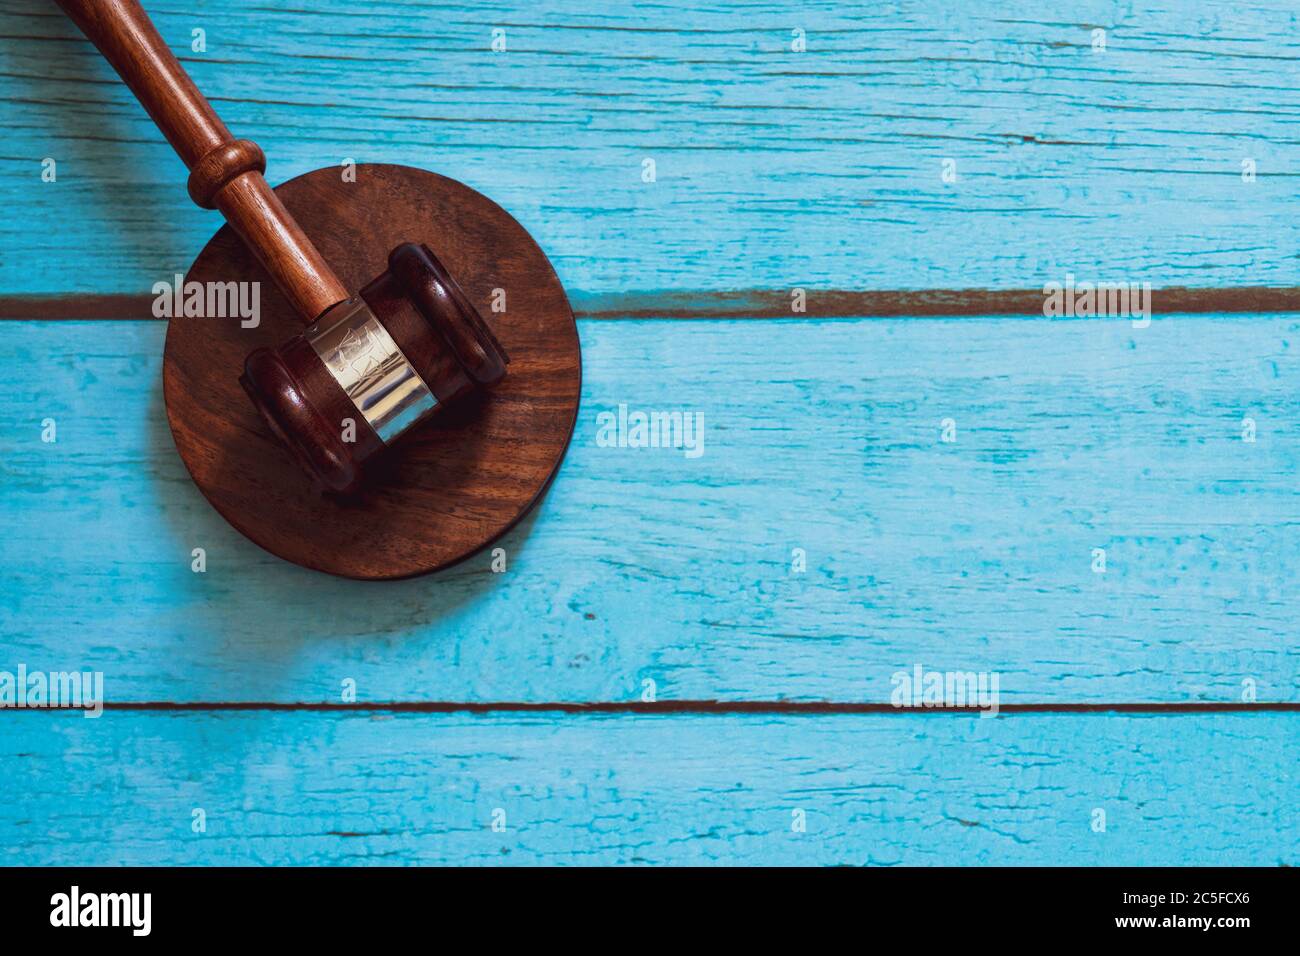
(451, 485)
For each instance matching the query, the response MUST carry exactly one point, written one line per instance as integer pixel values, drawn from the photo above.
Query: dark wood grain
(448, 488)
(225, 173)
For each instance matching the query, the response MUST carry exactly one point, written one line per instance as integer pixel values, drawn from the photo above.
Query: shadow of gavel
(368, 367)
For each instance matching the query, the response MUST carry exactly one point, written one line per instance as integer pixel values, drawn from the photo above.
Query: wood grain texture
(316, 789)
(774, 169)
(645, 564)
(452, 485)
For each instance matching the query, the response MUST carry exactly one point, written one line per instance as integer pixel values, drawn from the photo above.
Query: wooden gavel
(369, 366)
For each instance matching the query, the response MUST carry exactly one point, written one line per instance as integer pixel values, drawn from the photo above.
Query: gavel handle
(225, 173)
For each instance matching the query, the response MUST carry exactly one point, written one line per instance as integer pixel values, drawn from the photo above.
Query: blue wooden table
(916, 469)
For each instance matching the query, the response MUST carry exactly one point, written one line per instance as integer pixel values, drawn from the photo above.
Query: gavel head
(373, 366)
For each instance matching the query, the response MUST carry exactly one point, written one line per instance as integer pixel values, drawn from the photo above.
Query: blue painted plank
(318, 789)
(647, 564)
(774, 168)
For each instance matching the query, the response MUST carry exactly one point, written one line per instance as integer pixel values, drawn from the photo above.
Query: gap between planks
(756, 304)
(725, 707)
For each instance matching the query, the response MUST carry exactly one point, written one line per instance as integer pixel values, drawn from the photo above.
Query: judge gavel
(369, 366)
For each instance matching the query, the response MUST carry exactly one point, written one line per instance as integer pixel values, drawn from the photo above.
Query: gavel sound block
(451, 485)
(386, 439)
